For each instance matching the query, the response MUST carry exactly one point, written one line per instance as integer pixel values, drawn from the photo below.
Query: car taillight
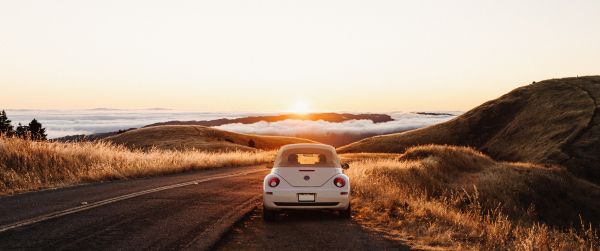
(273, 182)
(339, 182)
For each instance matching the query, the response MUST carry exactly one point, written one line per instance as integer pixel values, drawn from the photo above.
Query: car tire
(347, 213)
(269, 215)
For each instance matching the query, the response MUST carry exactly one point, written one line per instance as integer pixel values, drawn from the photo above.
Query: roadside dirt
(311, 230)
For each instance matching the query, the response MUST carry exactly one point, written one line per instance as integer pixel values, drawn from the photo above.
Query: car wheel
(347, 213)
(269, 215)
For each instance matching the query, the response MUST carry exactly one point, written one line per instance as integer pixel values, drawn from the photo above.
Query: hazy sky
(269, 55)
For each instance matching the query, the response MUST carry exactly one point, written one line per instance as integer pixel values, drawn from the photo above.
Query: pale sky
(273, 55)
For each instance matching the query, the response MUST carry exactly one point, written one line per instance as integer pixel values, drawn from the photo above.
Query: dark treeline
(32, 131)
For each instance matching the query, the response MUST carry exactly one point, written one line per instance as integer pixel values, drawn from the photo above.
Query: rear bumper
(278, 199)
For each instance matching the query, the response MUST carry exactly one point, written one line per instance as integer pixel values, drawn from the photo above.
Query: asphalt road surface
(303, 230)
(190, 211)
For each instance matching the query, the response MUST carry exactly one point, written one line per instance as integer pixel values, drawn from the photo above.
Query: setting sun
(300, 107)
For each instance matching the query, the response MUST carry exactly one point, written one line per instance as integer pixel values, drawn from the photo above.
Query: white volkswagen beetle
(306, 176)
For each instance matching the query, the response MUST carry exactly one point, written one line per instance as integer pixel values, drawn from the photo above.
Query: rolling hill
(335, 139)
(186, 137)
(554, 121)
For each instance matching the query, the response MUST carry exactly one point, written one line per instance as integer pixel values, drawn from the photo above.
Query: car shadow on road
(286, 217)
(304, 230)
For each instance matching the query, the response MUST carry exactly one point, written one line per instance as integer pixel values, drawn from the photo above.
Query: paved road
(304, 231)
(177, 218)
(187, 211)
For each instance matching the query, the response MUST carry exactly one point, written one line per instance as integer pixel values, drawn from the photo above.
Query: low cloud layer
(338, 134)
(402, 122)
(61, 123)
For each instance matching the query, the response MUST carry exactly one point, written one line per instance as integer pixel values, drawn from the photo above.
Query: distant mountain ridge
(329, 117)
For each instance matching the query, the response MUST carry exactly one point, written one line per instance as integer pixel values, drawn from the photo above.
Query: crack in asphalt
(213, 233)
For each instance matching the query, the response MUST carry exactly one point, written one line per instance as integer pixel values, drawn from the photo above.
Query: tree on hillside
(36, 130)
(251, 143)
(6, 129)
(22, 131)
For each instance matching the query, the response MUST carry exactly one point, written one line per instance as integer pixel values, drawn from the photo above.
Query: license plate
(306, 197)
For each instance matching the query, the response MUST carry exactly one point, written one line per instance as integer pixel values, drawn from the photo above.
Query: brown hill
(335, 139)
(183, 137)
(554, 121)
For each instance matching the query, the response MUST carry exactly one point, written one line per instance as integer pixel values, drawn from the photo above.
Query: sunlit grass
(457, 198)
(28, 165)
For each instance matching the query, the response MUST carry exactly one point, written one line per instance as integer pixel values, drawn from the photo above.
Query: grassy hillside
(554, 121)
(28, 165)
(187, 137)
(458, 198)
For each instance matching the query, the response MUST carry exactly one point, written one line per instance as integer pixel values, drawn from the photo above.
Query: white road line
(91, 205)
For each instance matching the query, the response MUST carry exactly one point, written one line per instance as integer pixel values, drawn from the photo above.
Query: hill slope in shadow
(554, 121)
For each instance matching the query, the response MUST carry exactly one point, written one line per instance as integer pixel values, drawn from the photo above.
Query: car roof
(306, 146)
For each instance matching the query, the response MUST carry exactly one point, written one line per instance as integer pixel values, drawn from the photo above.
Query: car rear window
(308, 159)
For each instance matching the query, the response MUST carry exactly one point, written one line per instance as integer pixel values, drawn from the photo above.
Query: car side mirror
(345, 166)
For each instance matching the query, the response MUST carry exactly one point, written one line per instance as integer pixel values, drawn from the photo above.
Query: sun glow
(300, 107)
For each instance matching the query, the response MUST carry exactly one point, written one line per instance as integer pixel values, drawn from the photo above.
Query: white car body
(306, 186)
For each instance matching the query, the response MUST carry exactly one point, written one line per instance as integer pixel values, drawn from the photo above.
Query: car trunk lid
(307, 177)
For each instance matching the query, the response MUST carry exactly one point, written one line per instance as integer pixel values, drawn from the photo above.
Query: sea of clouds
(61, 123)
(402, 121)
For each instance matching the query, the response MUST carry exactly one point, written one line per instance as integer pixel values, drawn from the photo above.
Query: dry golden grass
(28, 165)
(347, 157)
(447, 197)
